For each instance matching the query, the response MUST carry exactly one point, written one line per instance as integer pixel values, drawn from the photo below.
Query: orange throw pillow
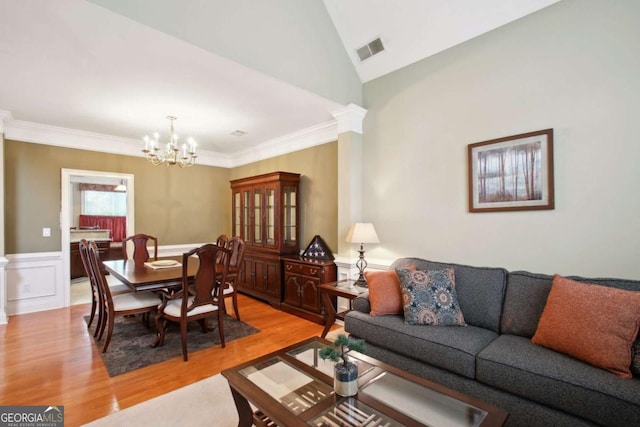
(385, 295)
(592, 323)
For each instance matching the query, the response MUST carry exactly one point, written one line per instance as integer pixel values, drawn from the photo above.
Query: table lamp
(362, 232)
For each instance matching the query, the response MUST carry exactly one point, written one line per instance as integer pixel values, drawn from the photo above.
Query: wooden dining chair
(96, 303)
(119, 305)
(140, 249)
(199, 300)
(223, 241)
(236, 264)
(115, 288)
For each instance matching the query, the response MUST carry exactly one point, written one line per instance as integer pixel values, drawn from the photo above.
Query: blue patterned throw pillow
(429, 297)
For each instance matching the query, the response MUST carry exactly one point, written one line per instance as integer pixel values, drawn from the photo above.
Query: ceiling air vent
(238, 132)
(372, 48)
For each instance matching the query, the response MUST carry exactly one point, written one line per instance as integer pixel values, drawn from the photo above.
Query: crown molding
(350, 118)
(5, 116)
(37, 133)
(306, 138)
(20, 130)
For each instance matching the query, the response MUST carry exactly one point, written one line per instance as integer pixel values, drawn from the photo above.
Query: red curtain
(117, 224)
(97, 187)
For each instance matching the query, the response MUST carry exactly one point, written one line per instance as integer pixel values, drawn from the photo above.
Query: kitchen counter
(95, 235)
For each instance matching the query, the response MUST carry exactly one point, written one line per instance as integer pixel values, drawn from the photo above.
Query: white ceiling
(412, 30)
(74, 70)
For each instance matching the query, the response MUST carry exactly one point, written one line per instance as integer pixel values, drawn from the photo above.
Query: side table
(341, 288)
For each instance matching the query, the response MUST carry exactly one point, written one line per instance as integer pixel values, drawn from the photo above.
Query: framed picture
(513, 173)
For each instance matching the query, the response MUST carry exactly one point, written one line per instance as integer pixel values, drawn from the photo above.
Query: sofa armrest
(361, 303)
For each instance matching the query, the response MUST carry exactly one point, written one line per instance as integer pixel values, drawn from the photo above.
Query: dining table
(152, 275)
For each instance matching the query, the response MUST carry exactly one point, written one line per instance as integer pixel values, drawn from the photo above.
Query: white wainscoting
(35, 282)
(175, 250)
(4, 318)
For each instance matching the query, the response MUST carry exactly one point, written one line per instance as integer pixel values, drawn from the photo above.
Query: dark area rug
(129, 347)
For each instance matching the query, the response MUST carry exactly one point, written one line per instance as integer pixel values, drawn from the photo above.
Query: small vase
(345, 379)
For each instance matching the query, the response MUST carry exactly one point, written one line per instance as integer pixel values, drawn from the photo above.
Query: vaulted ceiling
(103, 73)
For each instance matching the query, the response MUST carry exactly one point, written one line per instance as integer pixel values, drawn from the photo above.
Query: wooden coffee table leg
(245, 414)
(331, 313)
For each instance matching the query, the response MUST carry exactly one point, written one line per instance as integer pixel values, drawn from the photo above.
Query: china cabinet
(265, 214)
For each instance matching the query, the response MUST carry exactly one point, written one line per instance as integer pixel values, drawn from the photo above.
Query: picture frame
(514, 173)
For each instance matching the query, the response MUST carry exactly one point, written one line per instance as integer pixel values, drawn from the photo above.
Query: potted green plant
(345, 379)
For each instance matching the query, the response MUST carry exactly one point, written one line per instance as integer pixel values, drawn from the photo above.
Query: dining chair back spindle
(222, 240)
(119, 305)
(198, 299)
(140, 249)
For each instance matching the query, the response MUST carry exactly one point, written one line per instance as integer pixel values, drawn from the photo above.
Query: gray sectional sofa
(493, 359)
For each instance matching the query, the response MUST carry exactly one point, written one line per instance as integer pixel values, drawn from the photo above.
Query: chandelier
(172, 153)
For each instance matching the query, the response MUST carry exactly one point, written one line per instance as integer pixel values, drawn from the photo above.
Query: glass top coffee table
(294, 387)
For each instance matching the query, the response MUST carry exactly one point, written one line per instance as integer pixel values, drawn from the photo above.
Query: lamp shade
(362, 232)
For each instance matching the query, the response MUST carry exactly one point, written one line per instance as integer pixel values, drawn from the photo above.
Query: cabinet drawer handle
(289, 266)
(313, 271)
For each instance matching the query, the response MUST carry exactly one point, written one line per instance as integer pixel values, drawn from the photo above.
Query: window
(109, 203)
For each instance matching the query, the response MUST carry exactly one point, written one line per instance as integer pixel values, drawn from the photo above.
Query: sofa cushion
(526, 297)
(480, 289)
(596, 324)
(515, 365)
(635, 354)
(448, 347)
(430, 297)
(524, 301)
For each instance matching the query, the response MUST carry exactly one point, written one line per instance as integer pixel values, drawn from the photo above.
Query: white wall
(3, 261)
(574, 67)
(291, 40)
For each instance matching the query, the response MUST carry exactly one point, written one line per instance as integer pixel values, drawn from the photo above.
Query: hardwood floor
(49, 358)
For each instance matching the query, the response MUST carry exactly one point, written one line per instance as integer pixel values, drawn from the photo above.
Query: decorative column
(5, 116)
(349, 172)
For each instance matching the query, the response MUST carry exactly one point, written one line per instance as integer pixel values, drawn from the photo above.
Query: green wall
(180, 206)
(318, 188)
(177, 205)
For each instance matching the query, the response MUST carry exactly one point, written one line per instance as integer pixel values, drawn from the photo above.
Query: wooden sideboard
(302, 277)
(106, 249)
(77, 269)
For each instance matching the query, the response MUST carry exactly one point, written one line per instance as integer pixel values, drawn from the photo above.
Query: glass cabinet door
(289, 215)
(257, 216)
(237, 215)
(246, 206)
(265, 211)
(270, 217)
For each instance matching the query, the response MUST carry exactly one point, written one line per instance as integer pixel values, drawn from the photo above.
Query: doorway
(67, 220)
